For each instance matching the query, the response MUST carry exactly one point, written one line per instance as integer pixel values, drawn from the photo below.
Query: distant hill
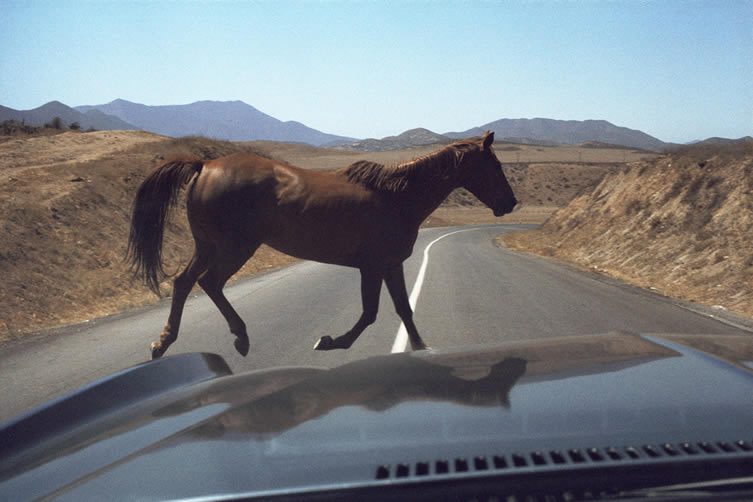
(569, 132)
(715, 141)
(542, 132)
(408, 139)
(44, 114)
(228, 120)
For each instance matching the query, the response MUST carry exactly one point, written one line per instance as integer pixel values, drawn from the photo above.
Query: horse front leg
(371, 285)
(395, 280)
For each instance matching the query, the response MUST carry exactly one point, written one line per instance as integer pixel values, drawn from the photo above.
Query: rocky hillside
(681, 224)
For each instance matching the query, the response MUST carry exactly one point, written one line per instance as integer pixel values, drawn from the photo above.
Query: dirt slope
(682, 224)
(65, 214)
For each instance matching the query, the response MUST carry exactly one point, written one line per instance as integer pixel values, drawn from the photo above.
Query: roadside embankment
(681, 224)
(65, 219)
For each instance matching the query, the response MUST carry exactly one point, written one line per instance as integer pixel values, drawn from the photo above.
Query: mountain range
(564, 132)
(91, 119)
(228, 120)
(538, 131)
(238, 121)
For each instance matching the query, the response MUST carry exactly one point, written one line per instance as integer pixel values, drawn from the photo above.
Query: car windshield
(315, 184)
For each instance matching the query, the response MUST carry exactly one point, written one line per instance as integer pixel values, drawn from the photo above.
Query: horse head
(482, 175)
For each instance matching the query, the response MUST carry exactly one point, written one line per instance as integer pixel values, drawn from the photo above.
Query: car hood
(379, 419)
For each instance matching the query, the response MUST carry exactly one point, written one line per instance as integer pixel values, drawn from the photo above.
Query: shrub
(55, 123)
(634, 207)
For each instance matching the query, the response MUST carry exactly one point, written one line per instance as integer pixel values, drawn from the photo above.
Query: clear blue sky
(676, 69)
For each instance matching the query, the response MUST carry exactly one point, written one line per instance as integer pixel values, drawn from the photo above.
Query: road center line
(401, 339)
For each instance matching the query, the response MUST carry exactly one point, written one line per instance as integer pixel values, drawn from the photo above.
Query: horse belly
(332, 242)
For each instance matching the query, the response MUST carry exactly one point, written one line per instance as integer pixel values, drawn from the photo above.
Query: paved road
(473, 293)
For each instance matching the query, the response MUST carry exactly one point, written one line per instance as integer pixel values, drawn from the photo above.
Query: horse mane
(436, 165)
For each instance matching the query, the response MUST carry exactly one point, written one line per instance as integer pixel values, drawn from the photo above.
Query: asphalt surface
(473, 293)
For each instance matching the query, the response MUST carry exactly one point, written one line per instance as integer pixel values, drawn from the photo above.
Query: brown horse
(364, 216)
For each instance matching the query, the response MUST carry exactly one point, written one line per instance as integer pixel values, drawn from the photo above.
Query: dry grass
(328, 158)
(681, 224)
(448, 216)
(66, 207)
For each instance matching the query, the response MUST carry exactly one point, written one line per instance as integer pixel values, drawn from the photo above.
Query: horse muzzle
(505, 207)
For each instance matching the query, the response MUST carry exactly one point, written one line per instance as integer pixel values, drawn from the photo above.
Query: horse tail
(157, 194)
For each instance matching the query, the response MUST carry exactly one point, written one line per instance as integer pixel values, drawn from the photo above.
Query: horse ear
(488, 139)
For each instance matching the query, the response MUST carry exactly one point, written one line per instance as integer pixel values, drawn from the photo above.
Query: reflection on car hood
(298, 428)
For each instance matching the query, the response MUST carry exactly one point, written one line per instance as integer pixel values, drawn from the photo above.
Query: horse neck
(419, 200)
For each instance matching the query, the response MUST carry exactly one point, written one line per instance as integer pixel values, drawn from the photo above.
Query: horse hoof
(156, 351)
(242, 345)
(324, 343)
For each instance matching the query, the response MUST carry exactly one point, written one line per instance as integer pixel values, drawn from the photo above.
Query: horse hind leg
(181, 288)
(223, 266)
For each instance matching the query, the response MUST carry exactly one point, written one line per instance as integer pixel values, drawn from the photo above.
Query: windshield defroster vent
(557, 458)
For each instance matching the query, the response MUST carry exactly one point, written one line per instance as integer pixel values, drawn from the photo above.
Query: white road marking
(401, 339)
